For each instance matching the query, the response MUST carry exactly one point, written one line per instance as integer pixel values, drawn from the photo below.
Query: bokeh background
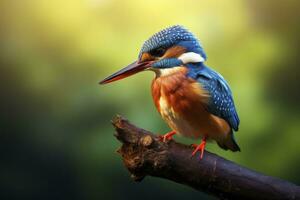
(56, 140)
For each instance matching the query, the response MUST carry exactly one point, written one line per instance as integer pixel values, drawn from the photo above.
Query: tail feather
(229, 143)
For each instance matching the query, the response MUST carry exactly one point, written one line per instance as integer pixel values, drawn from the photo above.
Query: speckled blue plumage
(221, 101)
(166, 63)
(204, 110)
(173, 35)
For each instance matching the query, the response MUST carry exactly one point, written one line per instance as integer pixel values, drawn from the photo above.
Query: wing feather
(221, 101)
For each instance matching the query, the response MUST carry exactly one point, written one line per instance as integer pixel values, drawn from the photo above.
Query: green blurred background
(56, 139)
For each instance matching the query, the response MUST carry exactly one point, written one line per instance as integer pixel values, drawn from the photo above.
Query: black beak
(131, 69)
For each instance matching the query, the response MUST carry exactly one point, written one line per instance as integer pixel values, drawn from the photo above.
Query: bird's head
(171, 47)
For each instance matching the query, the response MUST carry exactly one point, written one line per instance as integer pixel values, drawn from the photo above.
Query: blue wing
(221, 102)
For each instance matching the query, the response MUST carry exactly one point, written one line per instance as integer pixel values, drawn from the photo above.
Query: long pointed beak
(131, 69)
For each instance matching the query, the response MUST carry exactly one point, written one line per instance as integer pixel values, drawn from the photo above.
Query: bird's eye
(158, 52)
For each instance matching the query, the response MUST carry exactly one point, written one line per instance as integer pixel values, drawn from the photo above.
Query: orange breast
(182, 101)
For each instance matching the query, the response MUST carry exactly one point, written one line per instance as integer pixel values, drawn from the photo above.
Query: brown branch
(144, 154)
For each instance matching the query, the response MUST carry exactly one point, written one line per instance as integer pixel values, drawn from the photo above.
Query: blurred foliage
(56, 137)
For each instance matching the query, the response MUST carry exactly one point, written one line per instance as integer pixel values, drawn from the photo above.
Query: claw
(199, 148)
(167, 136)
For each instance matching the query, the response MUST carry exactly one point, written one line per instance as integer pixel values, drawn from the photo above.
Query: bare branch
(144, 154)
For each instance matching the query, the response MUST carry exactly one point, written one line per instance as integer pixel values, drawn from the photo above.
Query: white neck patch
(191, 57)
(168, 71)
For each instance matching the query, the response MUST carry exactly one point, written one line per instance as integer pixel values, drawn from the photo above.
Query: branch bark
(144, 154)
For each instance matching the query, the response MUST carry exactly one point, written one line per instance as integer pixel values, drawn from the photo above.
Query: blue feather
(168, 62)
(174, 35)
(221, 101)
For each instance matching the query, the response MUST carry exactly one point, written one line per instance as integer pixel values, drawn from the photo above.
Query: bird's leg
(200, 147)
(167, 136)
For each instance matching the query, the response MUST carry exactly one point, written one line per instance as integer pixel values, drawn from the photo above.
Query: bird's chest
(177, 97)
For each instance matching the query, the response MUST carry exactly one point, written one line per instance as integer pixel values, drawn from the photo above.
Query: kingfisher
(193, 99)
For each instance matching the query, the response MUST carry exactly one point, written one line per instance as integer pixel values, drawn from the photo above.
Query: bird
(193, 99)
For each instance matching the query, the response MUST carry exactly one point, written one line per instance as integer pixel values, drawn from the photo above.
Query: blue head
(166, 47)
(170, 47)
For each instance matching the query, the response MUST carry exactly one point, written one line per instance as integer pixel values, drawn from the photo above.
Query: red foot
(199, 148)
(167, 136)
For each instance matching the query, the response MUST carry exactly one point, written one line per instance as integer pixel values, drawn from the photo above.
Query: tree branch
(144, 154)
